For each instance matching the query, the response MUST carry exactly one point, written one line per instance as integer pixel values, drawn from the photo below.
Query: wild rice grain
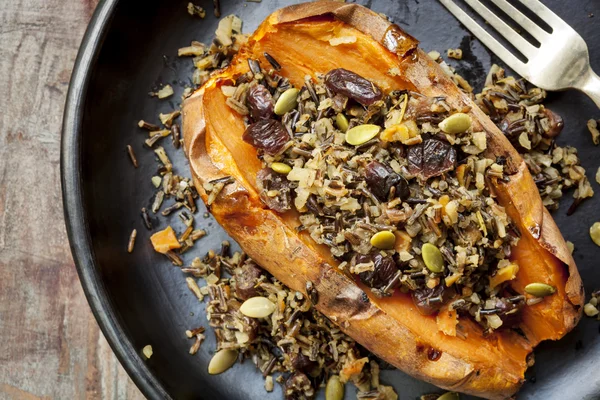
(148, 126)
(131, 243)
(146, 219)
(132, 155)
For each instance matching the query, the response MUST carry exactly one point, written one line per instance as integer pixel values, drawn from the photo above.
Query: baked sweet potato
(492, 365)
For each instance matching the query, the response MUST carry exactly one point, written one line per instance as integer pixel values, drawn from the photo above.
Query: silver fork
(562, 60)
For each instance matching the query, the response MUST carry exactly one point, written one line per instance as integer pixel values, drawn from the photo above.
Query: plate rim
(75, 211)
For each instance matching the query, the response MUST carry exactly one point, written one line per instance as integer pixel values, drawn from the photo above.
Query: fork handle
(591, 86)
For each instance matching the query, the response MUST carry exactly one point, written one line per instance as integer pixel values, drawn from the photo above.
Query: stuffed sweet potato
(436, 285)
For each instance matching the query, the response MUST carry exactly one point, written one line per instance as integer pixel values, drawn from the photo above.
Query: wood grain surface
(50, 344)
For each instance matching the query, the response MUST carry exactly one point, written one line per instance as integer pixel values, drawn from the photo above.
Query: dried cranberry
(431, 158)
(352, 85)
(429, 301)
(267, 180)
(245, 280)
(381, 179)
(260, 103)
(267, 134)
(383, 271)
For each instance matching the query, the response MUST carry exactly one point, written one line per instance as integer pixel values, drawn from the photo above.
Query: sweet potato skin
(491, 367)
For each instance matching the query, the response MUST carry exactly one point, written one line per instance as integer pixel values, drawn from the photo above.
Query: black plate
(139, 299)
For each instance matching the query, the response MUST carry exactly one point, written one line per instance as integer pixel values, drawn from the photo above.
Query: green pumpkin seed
(257, 307)
(449, 396)
(222, 361)
(342, 122)
(595, 233)
(432, 257)
(540, 289)
(334, 389)
(590, 310)
(361, 134)
(456, 123)
(384, 240)
(281, 168)
(147, 350)
(287, 101)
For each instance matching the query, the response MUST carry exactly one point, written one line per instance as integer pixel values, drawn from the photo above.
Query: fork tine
(526, 48)
(517, 65)
(546, 14)
(520, 18)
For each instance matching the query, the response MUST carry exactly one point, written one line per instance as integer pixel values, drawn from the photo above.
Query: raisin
(267, 134)
(381, 179)
(353, 86)
(555, 123)
(383, 271)
(429, 301)
(260, 103)
(431, 158)
(302, 363)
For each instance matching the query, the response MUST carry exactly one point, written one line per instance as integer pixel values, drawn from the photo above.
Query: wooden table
(50, 344)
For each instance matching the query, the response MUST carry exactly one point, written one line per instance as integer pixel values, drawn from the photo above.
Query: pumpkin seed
(147, 350)
(342, 122)
(222, 361)
(432, 257)
(334, 389)
(384, 240)
(540, 289)
(456, 123)
(361, 134)
(281, 168)
(257, 307)
(449, 396)
(286, 102)
(590, 310)
(595, 233)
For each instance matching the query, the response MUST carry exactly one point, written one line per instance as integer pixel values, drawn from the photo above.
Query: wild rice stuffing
(405, 206)
(293, 339)
(394, 184)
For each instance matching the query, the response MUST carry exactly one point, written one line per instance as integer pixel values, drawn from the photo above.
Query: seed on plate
(595, 233)
(132, 156)
(175, 134)
(342, 122)
(449, 396)
(131, 243)
(222, 361)
(590, 310)
(361, 134)
(432, 257)
(281, 168)
(334, 389)
(257, 307)
(456, 123)
(384, 240)
(193, 286)
(540, 289)
(156, 181)
(287, 101)
(147, 350)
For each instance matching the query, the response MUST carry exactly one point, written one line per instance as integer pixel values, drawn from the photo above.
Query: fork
(560, 62)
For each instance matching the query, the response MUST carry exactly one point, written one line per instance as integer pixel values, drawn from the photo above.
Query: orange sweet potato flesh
(298, 38)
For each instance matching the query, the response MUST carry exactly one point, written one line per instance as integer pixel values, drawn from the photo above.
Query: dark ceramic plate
(139, 299)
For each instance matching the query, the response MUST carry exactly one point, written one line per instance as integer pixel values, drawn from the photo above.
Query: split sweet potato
(302, 38)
